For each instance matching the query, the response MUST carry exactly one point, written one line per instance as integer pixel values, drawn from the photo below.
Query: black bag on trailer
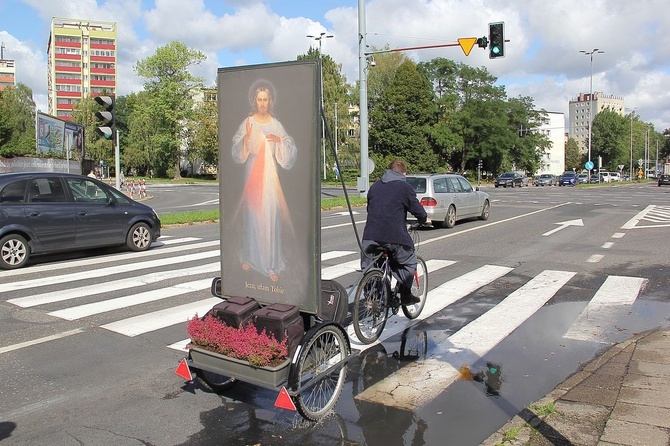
(235, 311)
(334, 303)
(283, 321)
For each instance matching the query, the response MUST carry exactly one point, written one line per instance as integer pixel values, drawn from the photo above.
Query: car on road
(583, 178)
(568, 178)
(663, 179)
(595, 179)
(47, 212)
(510, 179)
(546, 179)
(448, 198)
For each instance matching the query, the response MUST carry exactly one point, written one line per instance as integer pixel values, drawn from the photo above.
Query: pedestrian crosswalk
(69, 291)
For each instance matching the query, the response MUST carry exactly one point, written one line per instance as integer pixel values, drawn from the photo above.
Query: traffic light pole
(117, 159)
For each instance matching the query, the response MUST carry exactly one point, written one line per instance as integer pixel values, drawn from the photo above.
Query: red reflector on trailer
(184, 371)
(284, 400)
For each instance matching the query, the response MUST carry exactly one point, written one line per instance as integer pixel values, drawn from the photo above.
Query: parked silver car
(449, 198)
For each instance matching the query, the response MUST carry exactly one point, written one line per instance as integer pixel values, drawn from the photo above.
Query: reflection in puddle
(491, 377)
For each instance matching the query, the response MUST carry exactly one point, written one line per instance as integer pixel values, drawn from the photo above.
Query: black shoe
(409, 299)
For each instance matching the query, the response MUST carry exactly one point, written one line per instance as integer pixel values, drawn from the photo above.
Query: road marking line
(115, 285)
(420, 382)
(20, 345)
(342, 269)
(595, 258)
(103, 272)
(335, 254)
(630, 224)
(607, 245)
(612, 300)
(156, 320)
(618, 234)
(104, 306)
(476, 228)
(181, 345)
(133, 256)
(175, 241)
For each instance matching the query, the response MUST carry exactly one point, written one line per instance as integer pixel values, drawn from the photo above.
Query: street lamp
(632, 112)
(320, 38)
(590, 54)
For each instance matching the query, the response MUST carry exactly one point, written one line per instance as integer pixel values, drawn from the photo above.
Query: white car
(448, 198)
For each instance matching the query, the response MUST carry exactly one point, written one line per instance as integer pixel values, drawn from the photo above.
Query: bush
(243, 343)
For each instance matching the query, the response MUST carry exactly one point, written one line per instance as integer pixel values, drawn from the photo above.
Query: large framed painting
(270, 193)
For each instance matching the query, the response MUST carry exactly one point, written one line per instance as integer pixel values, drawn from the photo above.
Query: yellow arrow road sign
(467, 43)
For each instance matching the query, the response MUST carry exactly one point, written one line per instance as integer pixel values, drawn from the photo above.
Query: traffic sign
(467, 43)
(588, 165)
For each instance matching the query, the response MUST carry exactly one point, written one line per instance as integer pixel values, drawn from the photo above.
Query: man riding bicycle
(389, 200)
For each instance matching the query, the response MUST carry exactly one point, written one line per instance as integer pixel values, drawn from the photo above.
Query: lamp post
(590, 54)
(630, 169)
(320, 38)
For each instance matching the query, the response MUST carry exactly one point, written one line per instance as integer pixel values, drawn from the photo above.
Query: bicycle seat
(377, 249)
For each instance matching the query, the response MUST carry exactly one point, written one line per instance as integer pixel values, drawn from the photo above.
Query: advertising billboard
(269, 162)
(58, 137)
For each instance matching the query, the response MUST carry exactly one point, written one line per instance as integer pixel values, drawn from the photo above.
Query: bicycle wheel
(321, 349)
(419, 288)
(213, 381)
(414, 345)
(371, 306)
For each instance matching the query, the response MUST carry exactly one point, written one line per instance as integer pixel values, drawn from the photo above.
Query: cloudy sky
(543, 58)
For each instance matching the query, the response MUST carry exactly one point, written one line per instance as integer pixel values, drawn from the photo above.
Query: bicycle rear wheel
(419, 288)
(371, 306)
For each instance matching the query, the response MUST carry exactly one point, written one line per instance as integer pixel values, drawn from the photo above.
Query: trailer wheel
(324, 346)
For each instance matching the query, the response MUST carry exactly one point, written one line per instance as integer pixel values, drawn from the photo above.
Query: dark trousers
(403, 260)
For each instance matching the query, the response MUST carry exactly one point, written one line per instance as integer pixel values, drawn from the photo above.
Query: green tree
(335, 95)
(610, 132)
(17, 121)
(400, 125)
(573, 157)
(203, 134)
(169, 104)
(137, 150)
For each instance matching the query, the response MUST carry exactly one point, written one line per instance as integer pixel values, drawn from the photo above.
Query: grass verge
(213, 215)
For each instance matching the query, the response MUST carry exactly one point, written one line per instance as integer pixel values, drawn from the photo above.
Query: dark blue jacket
(389, 200)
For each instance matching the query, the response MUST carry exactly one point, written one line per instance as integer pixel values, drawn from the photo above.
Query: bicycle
(375, 298)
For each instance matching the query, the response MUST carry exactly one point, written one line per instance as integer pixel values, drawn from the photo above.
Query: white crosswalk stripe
(611, 301)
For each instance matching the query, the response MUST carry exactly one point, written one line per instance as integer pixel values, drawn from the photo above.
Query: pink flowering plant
(243, 343)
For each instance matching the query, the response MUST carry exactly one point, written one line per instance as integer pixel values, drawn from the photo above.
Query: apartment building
(553, 160)
(81, 62)
(585, 107)
(7, 70)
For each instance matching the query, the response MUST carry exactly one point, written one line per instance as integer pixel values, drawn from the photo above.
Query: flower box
(268, 376)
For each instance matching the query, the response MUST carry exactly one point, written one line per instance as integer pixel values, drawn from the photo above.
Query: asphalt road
(88, 342)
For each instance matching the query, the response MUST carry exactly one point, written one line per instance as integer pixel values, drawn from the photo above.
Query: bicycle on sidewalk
(375, 297)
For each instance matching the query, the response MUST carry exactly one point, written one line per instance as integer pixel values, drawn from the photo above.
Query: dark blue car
(46, 212)
(568, 178)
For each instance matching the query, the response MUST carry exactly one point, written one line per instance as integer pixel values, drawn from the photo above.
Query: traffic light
(496, 40)
(106, 117)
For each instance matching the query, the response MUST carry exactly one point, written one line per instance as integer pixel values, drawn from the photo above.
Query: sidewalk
(622, 397)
